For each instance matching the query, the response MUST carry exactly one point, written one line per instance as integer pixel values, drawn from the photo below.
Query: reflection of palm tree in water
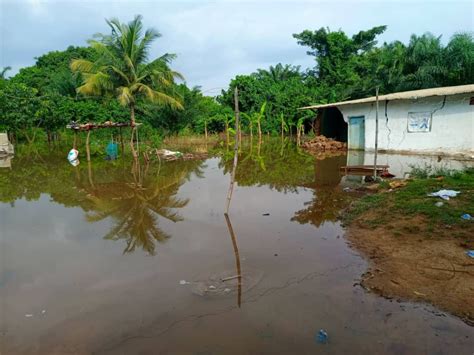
(136, 203)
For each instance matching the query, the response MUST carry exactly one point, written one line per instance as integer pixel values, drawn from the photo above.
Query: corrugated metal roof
(404, 95)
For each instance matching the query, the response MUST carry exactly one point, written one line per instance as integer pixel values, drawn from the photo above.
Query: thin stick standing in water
(376, 130)
(236, 149)
(237, 260)
(88, 151)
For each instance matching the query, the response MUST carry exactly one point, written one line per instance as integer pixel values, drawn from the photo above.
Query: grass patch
(413, 200)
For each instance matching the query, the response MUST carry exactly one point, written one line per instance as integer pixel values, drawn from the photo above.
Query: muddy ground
(408, 264)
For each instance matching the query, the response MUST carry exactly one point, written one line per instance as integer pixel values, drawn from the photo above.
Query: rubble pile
(321, 143)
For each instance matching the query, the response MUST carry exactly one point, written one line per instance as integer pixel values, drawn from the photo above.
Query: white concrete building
(431, 121)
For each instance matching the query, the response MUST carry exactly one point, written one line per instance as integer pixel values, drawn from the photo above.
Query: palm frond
(82, 65)
(125, 95)
(95, 84)
(157, 96)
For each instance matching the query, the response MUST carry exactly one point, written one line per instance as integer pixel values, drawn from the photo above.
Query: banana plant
(251, 120)
(259, 116)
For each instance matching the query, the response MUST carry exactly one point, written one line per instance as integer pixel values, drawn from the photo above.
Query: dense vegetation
(113, 79)
(352, 67)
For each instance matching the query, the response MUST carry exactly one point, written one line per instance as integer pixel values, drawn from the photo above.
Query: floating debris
(322, 336)
(212, 284)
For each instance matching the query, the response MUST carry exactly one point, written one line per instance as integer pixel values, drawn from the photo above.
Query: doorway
(356, 132)
(332, 124)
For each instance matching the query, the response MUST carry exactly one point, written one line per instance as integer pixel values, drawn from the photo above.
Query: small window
(471, 101)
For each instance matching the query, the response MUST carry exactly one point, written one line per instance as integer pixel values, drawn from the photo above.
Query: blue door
(356, 133)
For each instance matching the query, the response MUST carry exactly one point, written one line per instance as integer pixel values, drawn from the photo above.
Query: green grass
(413, 200)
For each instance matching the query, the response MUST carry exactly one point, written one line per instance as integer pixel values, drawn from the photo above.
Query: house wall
(452, 125)
(401, 164)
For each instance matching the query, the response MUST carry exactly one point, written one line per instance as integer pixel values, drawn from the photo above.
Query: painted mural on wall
(419, 121)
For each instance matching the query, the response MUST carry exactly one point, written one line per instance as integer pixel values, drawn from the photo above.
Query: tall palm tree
(424, 66)
(279, 72)
(4, 72)
(123, 70)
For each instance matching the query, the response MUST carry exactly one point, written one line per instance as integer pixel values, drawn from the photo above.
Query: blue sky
(216, 40)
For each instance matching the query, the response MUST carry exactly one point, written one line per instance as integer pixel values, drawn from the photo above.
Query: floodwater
(109, 258)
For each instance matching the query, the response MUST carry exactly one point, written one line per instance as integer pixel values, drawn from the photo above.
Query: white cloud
(215, 40)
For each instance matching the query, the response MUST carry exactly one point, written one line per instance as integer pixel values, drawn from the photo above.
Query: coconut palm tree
(123, 69)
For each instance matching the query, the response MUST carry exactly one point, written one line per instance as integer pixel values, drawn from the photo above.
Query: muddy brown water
(106, 259)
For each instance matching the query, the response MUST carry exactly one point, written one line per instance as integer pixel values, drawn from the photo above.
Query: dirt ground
(411, 265)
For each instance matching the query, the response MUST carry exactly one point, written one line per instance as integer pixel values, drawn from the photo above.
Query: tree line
(113, 79)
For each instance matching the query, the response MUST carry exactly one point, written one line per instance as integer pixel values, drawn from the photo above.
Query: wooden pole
(121, 141)
(237, 260)
(376, 130)
(236, 149)
(88, 151)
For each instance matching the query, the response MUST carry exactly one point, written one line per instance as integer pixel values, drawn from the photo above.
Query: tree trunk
(205, 129)
(134, 152)
(132, 115)
(132, 125)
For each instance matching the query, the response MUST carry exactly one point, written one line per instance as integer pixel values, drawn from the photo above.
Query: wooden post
(121, 140)
(88, 151)
(237, 260)
(236, 150)
(205, 129)
(376, 130)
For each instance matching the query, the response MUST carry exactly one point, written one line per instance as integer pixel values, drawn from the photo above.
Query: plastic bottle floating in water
(322, 336)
